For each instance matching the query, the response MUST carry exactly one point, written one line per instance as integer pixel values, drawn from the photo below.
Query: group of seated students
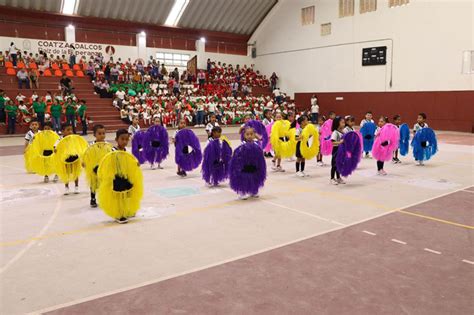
(53, 108)
(195, 110)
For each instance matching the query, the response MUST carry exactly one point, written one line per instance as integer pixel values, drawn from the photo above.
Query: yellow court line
(437, 219)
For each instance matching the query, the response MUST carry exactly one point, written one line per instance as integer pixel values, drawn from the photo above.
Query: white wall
(427, 38)
(124, 52)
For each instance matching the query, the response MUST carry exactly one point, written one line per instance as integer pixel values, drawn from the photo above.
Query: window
(396, 3)
(346, 8)
(468, 62)
(307, 16)
(172, 59)
(368, 6)
(325, 29)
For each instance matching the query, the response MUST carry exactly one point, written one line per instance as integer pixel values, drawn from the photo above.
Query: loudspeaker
(254, 52)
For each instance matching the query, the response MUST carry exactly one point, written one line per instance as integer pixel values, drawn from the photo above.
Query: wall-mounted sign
(374, 56)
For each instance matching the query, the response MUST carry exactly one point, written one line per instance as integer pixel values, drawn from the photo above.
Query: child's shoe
(122, 220)
(340, 181)
(46, 179)
(333, 182)
(93, 203)
(66, 191)
(76, 190)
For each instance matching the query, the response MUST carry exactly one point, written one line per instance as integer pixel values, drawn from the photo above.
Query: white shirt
(364, 121)
(417, 126)
(209, 126)
(120, 94)
(29, 136)
(132, 130)
(314, 108)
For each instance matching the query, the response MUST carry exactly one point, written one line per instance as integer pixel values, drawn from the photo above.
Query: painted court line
(468, 191)
(468, 261)
(38, 236)
(436, 219)
(432, 251)
(370, 233)
(93, 297)
(398, 241)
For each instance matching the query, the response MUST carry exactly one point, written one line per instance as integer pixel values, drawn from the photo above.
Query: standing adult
(39, 108)
(70, 109)
(314, 109)
(81, 111)
(12, 112)
(273, 81)
(2, 107)
(12, 52)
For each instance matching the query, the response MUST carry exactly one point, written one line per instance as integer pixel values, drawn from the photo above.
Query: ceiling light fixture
(176, 12)
(69, 6)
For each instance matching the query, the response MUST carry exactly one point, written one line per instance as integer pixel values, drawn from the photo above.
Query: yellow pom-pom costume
(224, 138)
(91, 159)
(283, 139)
(28, 156)
(69, 152)
(309, 134)
(121, 185)
(40, 153)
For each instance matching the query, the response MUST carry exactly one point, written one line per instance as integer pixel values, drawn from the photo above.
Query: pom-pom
(386, 142)
(260, 130)
(349, 154)
(41, 153)
(368, 134)
(404, 139)
(69, 152)
(92, 157)
(268, 128)
(215, 164)
(325, 138)
(283, 139)
(137, 146)
(309, 134)
(121, 185)
(156, 144)
(424, 144)
(248, 169)
(188, 154)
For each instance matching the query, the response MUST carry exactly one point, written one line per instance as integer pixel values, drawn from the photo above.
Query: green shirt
(70, 109)
(82, 109)
(39, 107)
(2, 102)
(56, 110)
(11, 110)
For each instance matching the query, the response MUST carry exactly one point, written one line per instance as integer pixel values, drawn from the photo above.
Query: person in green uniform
(39, 108)
(81, 111)
(12, 111)
(70, 109)
(56, 110)
(2, 108)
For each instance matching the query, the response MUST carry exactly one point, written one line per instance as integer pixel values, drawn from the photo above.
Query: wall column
(141, 46)
(70, 34)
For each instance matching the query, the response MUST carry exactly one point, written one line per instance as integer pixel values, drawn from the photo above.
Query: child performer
(181, 126)
(212, 123)
(300, 160)
(217, 156)
(92, 157)
(157, 122)
(421, 124)
(397, 121)
(337, 128)
(276, 159)
(34, 125)
(350, 121)
(248, 169)
(121, 181)
(367, 119)
(382, 121)
(267, 120)
(319, 157)
(134, 127)
(69, 150)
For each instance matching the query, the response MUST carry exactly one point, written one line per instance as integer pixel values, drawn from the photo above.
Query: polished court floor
(401, 243)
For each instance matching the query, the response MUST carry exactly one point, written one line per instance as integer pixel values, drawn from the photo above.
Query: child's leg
(379, 165)
(297, 165)
(76, 182)
(302, 163)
